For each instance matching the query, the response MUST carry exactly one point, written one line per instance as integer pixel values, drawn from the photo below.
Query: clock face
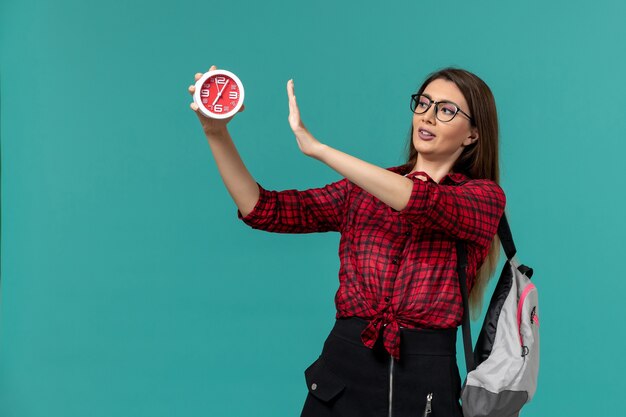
(219, 94)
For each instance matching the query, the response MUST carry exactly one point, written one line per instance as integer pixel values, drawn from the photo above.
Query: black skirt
(350, 379)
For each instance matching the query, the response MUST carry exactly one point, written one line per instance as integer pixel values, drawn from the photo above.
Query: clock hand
(219, 93)
(223, 88)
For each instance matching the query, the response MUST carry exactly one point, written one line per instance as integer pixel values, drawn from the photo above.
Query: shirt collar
(452, 177)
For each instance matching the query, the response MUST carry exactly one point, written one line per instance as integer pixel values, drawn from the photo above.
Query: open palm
(306, 142)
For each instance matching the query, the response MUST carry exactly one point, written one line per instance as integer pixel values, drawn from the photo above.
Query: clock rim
(198, 100)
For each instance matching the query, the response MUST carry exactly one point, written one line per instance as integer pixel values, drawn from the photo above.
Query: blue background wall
(127, 279)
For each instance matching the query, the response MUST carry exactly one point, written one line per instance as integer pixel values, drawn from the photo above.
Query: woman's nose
(429, 115)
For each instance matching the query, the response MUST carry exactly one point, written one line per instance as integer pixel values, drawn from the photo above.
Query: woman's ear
(472, 138)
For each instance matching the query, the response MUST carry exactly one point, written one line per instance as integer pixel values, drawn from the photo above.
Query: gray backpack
(503, 368)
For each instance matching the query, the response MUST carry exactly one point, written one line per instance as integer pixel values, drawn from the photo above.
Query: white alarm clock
(219, 94)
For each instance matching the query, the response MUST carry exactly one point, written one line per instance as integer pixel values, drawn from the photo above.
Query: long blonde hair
(478, 160)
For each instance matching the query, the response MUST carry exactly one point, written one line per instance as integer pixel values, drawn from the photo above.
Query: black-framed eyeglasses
(444, 110)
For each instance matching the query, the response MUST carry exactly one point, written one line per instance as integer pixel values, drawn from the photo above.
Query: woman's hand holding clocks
(211, 126)
(307, 143)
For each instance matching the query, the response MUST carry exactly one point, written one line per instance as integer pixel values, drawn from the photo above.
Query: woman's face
(450, 137)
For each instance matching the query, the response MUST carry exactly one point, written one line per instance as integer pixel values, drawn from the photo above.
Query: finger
(293, 105)
(291, 90)
(293, 108)
(291, 94)
(194, 107)
(243, 107)
(192, 89)
(213, 68)
(198, 75)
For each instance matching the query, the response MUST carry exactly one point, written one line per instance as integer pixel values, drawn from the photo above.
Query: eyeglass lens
(445, 111)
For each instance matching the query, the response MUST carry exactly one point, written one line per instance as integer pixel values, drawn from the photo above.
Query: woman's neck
(436, 170)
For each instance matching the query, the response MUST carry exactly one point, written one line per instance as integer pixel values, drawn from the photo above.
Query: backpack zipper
(520, 307)
(428, 409)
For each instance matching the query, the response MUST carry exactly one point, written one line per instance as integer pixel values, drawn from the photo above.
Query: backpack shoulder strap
(506, 238)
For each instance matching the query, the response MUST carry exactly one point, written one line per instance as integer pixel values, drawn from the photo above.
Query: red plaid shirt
(398, 268)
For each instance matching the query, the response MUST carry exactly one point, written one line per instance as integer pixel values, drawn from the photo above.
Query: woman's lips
(424, 134)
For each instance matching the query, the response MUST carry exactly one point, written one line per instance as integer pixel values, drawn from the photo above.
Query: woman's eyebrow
(444, 100)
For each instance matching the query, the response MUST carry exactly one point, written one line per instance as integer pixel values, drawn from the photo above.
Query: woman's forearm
(391, 188)
(240, 184)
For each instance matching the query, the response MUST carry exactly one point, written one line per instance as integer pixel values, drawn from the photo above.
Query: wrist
(216, 133)
(321, 152)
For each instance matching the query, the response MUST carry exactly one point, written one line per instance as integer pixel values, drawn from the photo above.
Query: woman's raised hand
(307, 143)
(210, 126)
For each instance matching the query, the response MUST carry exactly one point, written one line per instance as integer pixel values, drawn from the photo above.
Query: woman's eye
(449, 110)
(423, 104)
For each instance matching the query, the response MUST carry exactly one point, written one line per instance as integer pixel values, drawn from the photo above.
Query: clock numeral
(220, 80)
(217, 108)
(204, 92)
(233, 95)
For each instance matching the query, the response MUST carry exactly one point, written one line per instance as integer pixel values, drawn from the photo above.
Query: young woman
(392, 351)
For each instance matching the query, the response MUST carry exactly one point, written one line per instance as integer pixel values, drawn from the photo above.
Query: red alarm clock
(219, 94)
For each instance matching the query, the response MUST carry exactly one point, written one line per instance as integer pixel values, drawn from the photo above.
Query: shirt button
(407, 233)
(313, 386)
(387, 299)
(394, 261)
